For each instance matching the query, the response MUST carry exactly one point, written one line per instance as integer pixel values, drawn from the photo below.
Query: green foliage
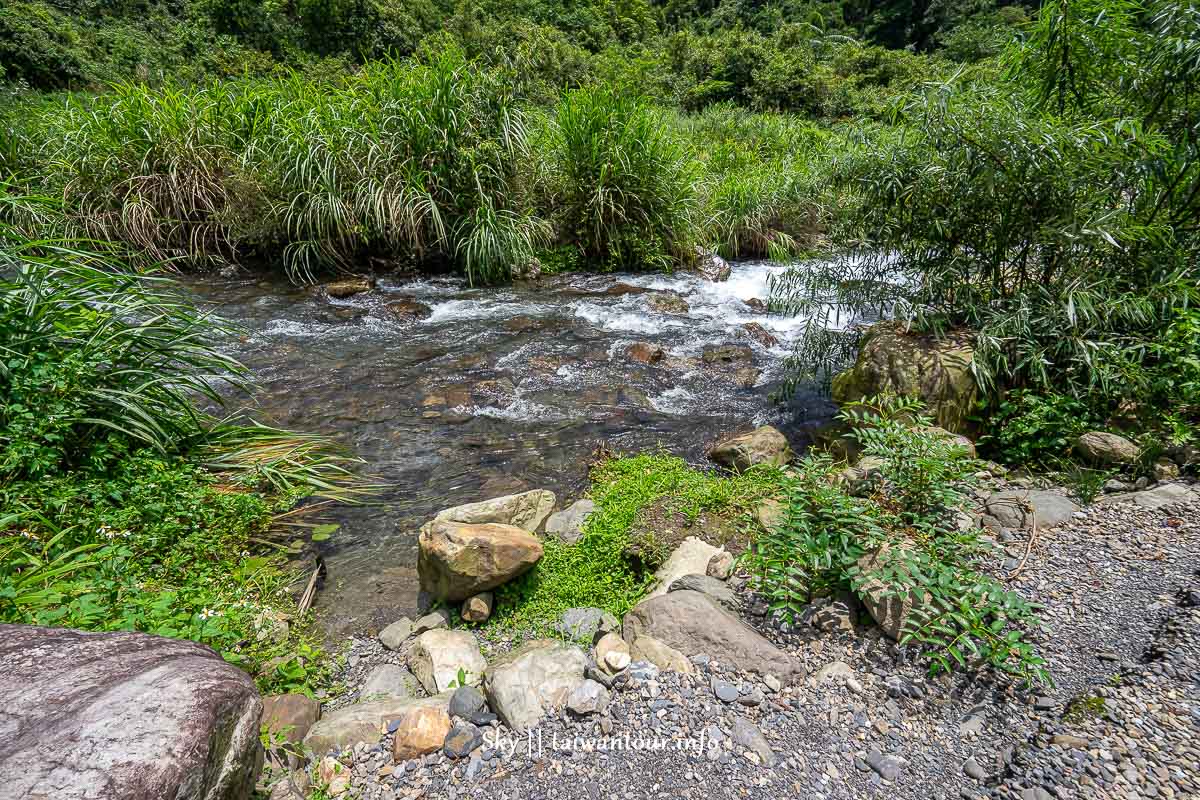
(598, 570)
(1036, 429)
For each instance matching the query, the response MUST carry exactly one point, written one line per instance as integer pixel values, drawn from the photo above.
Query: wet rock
(746, 734)
(364, 723)
(727, 354)
(477, 608)
(666, 658)
(462, 740)
(764, 445)
(389, 680)
(691, 557)
(533, 680)
(1018, 509)
(711, 265)
(348, 287)
(128, 715)
(668, 303)
(458, 560)
(645, 353)
(693, 623)
(757, 304)
(440, 658)
(588, 698)
(760, 334)
(526, 510)
(716, 589)
(623, 289)
(612, 653)
(720, 566)
(396, 634)
(1106, 448)
(746, 377)
(584, 624)
(421, 730)
(408, 310)
(567, 524)
(938, 371)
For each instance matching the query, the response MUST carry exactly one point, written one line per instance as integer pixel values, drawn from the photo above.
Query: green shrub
(1036, 429)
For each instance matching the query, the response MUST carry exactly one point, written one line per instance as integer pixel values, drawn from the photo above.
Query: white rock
(438, 657)
(537, 678)
(691, 557)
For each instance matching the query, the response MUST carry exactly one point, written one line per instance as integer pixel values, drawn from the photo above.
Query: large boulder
(693, 623)
(457, 560)
(527, 510)
(765, 445)
(935, 370)
(691, 557)
(364, 723)
(535, 679)
(1106, 448)
(123, 715)
(439, 656)
(1020, 509)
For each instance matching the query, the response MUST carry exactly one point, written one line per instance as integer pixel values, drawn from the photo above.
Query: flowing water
(500, 390)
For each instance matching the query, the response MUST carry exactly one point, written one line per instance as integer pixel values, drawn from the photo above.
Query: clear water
(498, 390)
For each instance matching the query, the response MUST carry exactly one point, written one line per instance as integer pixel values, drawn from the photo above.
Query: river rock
(123, 715)
(711, 265)
(691, 557)
(668, 303)
(1168, 494)
(727, 354)
(478, 608)
(1012, 508)
(535, 679)
(290, 715)
(421, 730)
(693, 624)
(720, 566)
(746, 734)
(757, 304)
(623, 289)
(588, 698)
(390, 680)
(612, 653)
(462, 740)
(396, 634)
(1106, 448)
(764, 445)
(567, 524)
(891, 611)
(716, 589)
(663, 656)
(467, 702)
(347, 287)
(645, 353)
(760, 334)
(584, 624)
(526, 510)
(457, 560)
(935, 370)
(438, 657)
(364, 723)
(408, 310)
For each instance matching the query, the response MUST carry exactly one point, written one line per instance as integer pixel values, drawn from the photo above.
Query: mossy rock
(937, 370)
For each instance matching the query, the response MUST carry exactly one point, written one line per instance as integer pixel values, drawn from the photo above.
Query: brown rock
(290, 715)
(727, 354)
(478, 608)
(762, 446)
(669, 303)
(645, 353)
(622, 289)
(757, 304)
(407, 310)
(457, 560)
(421, 731)
(760, 334)
(348, 287)
(123, 715)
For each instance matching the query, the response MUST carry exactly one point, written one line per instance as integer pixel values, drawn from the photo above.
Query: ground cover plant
(126, 508)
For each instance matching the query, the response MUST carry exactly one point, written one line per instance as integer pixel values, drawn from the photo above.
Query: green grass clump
(597, 571)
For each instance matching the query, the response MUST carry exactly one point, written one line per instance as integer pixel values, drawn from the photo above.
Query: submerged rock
(123, 715)
(348, 287)
(408, 310)
(668, 303)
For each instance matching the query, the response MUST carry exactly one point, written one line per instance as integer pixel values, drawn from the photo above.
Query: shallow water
(498, 390)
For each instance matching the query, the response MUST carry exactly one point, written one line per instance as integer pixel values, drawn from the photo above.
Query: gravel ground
(1121, 634)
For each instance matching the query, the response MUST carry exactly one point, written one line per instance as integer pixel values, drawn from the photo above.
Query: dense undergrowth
(124, 507)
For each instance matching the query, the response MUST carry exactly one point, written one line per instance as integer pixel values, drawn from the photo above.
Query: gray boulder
(716, 589)
(535, 679)
(123, 715)
(397, 633)
(1168, 494)
(1106, 448)
(588, 698)
(585, 623)
(1018, 509)
(693, 623)
(567, 524)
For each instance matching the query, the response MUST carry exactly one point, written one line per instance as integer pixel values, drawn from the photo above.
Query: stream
(500, 390)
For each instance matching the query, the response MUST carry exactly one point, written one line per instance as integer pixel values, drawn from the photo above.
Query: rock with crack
(457, 560)
(527, 510)
(535, 679)
(1019, 509)
(123, 715)
(764, 445)
(440, 658)
(694, 624)
(567, 524)
(691, 557)
(364, 723)
(716, 589)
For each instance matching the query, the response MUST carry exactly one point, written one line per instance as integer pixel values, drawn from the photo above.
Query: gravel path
(1120, 589)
